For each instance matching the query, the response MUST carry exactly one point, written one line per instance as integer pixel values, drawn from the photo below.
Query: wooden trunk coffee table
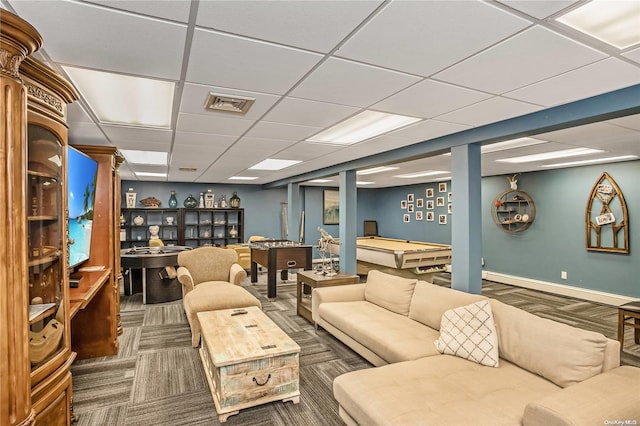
(248, 360)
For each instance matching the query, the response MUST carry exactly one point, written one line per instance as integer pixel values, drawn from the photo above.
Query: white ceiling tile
(423, 37)
(118, 133)
(538, 8)
(313, 25)
(144, 145)
(75, 113)
(349, 83)
(489, 111)
(86, 134)
(428, 99)
(212, 123)
(195, 95)
(634, 55)
(129, 43)
(281, 131)
(309, 113)
(174, 10)
(202, 140)
(430, 129)
(534, 55)
(263, 146)
(630, 122)
(593, 79)
(306, 151)
(235, 62)
(604, 136)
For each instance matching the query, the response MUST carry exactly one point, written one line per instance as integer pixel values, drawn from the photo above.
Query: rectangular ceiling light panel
(592, 161)
(273, 164)
(376, 170)
(365, 125)
(614, 22)
(123, 99)
(574, 152)
(155, 158)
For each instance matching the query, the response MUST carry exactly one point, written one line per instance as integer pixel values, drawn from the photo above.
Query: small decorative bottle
(173, 201)
(234, 201)
(201, 200)
(233, 233)
(208, 199)
(190, 202)
(223, 202)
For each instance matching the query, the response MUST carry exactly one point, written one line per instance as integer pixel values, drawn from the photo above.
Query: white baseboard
(560, 289)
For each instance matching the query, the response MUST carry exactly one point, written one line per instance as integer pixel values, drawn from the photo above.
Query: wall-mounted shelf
(513, 211)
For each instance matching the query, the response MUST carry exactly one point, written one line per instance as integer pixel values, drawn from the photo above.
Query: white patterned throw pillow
(470, 333)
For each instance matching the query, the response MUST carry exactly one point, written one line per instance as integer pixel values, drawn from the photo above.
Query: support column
(466, 227)
(348, 218)
(294, 210)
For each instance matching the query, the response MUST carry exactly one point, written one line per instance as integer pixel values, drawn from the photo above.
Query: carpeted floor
(157, 377)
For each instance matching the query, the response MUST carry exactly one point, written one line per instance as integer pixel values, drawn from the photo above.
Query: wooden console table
(313, 280)
(629, 311)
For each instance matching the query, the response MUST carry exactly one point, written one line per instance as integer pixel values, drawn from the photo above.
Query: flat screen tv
(82, 173)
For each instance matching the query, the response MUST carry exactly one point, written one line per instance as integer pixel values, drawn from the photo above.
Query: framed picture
(429, 193)
(440, 201)
(410, 208)
(442, 219)
(429, 204)
(449, 197)
(604, 219)
(403, 204)
(410, 198)
(406, 218)
(420, 203)
(442, 187)
(449, 208)
(429, 216)
(418, 215)
(331, 207)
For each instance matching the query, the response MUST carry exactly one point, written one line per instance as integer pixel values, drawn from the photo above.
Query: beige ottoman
(213, 296)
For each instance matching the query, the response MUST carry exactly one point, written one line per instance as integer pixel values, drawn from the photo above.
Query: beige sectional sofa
(547, 373)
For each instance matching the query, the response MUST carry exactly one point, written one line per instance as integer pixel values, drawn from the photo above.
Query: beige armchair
(211, 279)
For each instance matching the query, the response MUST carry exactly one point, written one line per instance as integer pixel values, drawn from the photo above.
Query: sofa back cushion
(558, 352)
(389, 291)
(430, 301)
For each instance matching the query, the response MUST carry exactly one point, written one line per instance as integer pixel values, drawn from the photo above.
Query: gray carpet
(157, 377)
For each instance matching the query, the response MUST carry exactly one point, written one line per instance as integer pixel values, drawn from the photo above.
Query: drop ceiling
(312, 64)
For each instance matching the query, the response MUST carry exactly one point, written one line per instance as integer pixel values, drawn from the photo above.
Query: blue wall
(555, 242)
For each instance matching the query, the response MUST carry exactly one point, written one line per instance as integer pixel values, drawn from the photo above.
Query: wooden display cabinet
(212, 227)
(137, 222)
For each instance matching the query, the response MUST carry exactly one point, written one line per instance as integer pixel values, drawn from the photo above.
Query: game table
(278, 255)
(401, 257)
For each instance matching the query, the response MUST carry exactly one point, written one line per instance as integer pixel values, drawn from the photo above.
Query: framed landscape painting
(331, 207)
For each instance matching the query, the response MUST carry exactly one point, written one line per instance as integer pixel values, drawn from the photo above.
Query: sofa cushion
(393, 337)
(439, 390)
(430, 301)
(563, 354)
(389, 291)
(468, 332)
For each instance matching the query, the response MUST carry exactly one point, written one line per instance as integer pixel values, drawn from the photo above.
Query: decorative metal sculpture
(324, 247)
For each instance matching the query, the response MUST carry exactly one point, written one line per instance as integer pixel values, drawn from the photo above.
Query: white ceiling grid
(312, 64)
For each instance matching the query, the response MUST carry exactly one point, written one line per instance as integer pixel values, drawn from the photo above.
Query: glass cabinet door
(46, 248)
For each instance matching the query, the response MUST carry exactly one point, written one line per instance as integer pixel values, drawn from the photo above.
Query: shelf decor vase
(201, 200)
(173, 201)
(234, 201)
(233, 233)
(190, 202)
(131, 198)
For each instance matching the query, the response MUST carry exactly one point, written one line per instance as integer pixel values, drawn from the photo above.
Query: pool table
(401, 257)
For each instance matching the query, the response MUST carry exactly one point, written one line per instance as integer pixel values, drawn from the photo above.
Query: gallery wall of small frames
(432, 205)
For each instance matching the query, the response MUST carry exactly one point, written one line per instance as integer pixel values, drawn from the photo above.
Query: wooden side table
(313, 280)
(629, 311)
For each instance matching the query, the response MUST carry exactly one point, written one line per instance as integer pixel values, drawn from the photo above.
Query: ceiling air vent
(228, 103)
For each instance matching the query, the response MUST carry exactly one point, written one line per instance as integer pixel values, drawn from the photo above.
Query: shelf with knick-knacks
(513, 211)
(192, 227)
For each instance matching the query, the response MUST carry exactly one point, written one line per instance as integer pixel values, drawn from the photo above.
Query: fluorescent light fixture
(151, 174)
(274, 164)
(123, 99)
(156, 158)
(376, 170)
(513, 143)
(443, 178)
(243, 178)
(363, 126)
(593, 161)
(320, 181)
(420, 174)
(614, 22)
(363, 182)
(574, 152)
